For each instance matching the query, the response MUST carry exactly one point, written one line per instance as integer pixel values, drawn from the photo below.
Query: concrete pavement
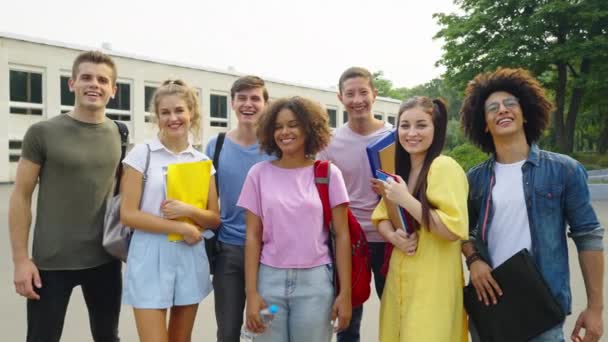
(13, 320)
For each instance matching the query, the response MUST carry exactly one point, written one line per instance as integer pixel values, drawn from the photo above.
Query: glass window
(391, 120)
(122, 99)
(344, 116)
(219, 107)
(25, 92)
(148, 94)
(14, 144)
(218, 124)
(25, 86)
(67, 97)
(333, 114)
(378, 116)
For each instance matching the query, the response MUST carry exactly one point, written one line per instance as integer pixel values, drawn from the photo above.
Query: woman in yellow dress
(422, 299)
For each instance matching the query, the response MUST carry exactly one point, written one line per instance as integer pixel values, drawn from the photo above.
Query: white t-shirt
(154, 189)
(509, 231)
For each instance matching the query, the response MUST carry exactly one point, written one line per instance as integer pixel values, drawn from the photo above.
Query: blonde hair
(181, 89)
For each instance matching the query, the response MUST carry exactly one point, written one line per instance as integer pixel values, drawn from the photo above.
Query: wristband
(472, 258)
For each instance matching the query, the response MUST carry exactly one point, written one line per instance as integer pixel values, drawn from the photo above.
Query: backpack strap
(321, 168)
(216, 158)
(123, 131)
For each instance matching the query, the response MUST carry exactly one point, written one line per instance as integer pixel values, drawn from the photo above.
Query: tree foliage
(560, 41)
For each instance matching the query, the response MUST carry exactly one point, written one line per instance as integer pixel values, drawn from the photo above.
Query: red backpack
(361, 271)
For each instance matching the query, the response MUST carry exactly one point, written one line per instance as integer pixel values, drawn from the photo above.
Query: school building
(34, 87)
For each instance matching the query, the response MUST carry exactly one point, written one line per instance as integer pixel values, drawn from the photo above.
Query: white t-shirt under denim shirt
(510, 229)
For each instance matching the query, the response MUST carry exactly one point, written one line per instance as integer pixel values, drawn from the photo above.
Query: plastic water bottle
(267, 317)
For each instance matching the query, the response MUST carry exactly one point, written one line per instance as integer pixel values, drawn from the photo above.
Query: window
(14, 144)
(119, 108)
(218, 110)
(14, 147)
(25, 92)
(333, 117)
(344, 117)
(148, 93)
(67, 97)
(391, 119)
(379, 116)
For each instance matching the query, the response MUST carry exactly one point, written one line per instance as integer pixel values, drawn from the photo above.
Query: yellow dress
(422, 298)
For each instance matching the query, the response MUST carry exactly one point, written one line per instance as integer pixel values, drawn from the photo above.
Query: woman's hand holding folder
(191, 233)
(173, 210)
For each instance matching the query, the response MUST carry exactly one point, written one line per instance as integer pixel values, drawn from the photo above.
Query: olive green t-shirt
(78, 162)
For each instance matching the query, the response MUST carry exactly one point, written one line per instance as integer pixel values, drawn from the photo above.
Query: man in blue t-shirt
(239, 152)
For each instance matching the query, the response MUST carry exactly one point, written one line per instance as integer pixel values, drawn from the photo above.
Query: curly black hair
(535, 105)
(310, 114)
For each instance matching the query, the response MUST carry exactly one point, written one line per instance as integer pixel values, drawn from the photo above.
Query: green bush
(592, 160)
(467, 155)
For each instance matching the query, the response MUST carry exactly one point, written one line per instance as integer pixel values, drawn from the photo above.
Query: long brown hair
(437, 110)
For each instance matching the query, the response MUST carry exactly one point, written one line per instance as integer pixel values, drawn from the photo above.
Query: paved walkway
(12, 308)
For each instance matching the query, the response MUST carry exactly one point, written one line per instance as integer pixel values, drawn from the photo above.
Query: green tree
(558, 40)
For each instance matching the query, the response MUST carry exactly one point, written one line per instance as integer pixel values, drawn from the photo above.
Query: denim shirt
(556, 194)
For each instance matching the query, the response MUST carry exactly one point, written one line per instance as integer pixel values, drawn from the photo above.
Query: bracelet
(472, 258)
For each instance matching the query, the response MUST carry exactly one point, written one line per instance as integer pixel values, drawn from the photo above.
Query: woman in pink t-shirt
(287, 260)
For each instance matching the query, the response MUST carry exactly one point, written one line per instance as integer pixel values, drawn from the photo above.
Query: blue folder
(381, 156)
(381, 153)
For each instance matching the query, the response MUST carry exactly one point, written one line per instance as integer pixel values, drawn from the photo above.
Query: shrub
(467, 155)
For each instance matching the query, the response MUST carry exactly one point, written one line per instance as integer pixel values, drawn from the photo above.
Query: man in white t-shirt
(347, 151)
(525, 197)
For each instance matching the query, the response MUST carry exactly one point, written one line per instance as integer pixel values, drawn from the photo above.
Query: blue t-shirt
(234, 164)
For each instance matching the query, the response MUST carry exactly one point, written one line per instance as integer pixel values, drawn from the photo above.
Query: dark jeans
(229, 288)
(102, 289)
(376, 252)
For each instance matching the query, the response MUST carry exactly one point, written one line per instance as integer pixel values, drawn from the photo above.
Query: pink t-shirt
(288, 203)
(347, 151)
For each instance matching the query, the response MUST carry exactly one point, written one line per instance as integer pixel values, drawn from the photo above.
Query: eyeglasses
(509, 103)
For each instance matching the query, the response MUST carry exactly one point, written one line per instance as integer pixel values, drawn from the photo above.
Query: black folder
(526, 309)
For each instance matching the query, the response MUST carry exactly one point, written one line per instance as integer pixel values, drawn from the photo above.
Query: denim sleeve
(585, 228)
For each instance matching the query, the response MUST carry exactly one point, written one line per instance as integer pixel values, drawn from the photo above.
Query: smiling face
(174, 116)
(416, 130)
(247, 104)
(288, 134)
(92, 86)
(358, 97)
(503, 115)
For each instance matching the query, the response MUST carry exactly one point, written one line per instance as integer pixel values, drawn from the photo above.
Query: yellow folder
(189, 183)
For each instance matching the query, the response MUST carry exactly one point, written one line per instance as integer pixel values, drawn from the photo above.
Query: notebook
(526, 309)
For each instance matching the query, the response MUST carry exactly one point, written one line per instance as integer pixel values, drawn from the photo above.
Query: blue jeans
(376, 253)
(304, 297)
(555, 334)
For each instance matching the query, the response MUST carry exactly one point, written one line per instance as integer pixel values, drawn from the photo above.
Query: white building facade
(33, 87)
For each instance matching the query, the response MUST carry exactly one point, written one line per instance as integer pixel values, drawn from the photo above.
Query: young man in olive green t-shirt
(73, 157)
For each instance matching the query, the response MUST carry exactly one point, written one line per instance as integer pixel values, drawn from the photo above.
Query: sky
(308, 41)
